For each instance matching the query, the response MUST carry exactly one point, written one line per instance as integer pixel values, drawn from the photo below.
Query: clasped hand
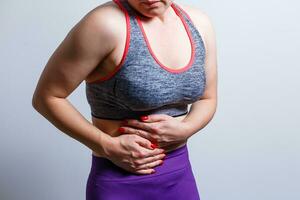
(141, 144)
(161, 129)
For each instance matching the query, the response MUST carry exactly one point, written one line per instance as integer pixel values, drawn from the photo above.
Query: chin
(153, 12)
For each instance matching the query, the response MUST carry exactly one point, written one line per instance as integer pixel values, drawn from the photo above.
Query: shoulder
(103, 13)
(202, 22)
(197, 14)
(99, 23)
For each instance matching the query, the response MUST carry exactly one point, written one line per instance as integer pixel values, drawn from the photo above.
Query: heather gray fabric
(141, 85)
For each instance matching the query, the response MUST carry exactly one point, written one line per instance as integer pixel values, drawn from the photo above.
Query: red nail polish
(144, 118)
(121, 129)
(153, 145)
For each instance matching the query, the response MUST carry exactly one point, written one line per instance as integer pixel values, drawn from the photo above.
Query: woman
(139, 79)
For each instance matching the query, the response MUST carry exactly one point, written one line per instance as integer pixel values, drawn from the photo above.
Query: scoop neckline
(187, 30)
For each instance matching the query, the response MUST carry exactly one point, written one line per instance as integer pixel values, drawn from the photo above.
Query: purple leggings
(172, 180)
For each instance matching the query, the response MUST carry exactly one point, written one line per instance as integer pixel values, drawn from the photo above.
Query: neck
(165, 17)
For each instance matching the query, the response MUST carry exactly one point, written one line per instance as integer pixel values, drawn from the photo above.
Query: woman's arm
(92, 39)
(76, 57)
(203, 110)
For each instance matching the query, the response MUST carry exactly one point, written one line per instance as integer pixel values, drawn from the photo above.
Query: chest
(147, 86)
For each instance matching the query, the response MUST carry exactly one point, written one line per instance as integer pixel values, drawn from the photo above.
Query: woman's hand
(160, 129)
(134, 153)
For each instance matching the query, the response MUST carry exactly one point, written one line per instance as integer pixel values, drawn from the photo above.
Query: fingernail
(161, 162)
(144, 118)
(153, 145)
(121, 129)
(153, 172)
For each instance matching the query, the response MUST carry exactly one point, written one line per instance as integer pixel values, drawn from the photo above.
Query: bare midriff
(111, 127)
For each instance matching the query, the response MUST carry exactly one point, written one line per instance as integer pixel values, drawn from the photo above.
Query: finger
(149, 143)
(150, 153)
(144, 142)
(145, 171)
(154, 117)
(142, 152)
(148, 135)
(150, 159)
(130, 130)
(142, 133)
(150, 165)
(145, 129)
(138, 124)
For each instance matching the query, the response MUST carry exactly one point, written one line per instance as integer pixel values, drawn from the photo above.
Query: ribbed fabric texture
(141, 85)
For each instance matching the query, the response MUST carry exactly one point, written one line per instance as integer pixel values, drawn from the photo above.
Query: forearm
(200, 114)
(64, 116)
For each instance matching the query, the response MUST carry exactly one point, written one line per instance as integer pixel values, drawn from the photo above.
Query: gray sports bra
(141, 84)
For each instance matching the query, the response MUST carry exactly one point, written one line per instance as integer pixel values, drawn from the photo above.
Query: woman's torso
(163, 40)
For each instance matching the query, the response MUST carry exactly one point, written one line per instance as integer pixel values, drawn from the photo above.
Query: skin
(91, 50)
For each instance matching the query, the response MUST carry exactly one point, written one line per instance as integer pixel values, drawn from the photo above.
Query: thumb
(144, 142)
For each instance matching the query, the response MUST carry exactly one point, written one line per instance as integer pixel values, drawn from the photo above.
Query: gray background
(250, 150)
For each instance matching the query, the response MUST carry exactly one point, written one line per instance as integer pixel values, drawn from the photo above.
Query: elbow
(41, 101)
(35, 101)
